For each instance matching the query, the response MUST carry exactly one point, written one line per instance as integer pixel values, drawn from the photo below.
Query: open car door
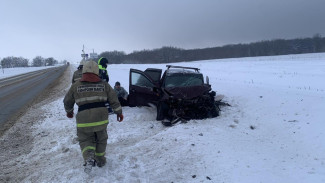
(141, 89)
(154, 74)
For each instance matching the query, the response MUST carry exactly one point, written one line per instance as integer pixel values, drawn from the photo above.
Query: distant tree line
(8, 62)
(315, 44)
(38, 61)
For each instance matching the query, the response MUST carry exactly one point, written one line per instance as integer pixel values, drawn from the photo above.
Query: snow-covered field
(273, 132)
(7, 72)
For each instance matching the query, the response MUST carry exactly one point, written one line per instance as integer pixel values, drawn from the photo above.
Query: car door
(141, 89)
(154, 74)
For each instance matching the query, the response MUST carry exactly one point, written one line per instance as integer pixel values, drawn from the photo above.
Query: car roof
(180, 71)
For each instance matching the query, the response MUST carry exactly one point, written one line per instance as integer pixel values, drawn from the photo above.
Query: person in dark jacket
(90, 93)
(122, 94)
(102, 65)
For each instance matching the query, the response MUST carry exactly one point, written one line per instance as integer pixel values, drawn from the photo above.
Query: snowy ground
(274, 131)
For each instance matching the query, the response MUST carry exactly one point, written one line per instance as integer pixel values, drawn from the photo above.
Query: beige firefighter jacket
(92, 119)
(77, 75)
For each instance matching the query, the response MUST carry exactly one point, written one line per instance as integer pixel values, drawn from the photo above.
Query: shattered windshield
(180, 80)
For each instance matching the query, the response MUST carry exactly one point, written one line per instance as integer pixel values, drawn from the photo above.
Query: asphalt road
(17, 91)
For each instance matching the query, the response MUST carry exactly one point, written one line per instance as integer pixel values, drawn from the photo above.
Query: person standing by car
(78, 73)
(90, 94)
(122, 94)
(102, 65)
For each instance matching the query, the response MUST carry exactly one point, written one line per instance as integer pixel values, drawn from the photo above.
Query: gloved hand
(120, 117)
(70, 114)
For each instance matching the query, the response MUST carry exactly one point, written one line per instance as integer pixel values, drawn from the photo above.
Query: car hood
(188, 92)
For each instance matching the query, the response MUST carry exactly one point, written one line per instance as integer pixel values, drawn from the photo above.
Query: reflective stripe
(99, 60)
(69, 110)
(100, 66)
(91, 99)
(77, 79)
(100, 154)
(119, 108)
(80, 125)
(88, 148)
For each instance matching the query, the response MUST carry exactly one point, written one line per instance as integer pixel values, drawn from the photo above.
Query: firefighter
(90, 94)
(78, 73)
(102, 65)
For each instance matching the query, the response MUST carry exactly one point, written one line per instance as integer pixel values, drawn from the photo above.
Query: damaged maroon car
(180, 94)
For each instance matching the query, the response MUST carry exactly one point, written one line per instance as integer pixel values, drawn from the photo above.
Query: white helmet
(90, 67)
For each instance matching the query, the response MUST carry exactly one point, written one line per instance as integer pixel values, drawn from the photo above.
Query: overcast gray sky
(59, 28)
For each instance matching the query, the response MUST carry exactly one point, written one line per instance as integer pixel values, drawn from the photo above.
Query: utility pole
(84, 55)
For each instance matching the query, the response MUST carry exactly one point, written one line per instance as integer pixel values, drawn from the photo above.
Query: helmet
(103, 62)
(90, 67)
(117, 83)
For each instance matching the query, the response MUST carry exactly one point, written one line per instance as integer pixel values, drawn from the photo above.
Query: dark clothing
(102, 65)
(103, 74)
(123, 102)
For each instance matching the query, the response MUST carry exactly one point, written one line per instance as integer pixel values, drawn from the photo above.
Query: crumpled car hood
(188, 92)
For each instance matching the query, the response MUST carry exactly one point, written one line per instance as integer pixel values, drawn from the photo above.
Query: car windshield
(180, 80)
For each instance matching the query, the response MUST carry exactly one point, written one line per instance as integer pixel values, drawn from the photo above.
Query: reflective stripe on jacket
(99, 65)
(82, 93)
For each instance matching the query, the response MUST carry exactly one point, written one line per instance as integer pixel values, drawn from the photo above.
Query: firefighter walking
(90, 93)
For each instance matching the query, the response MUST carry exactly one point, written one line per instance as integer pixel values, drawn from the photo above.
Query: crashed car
(180, 94)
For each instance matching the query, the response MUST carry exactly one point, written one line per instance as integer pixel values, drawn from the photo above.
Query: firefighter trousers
(93, 145)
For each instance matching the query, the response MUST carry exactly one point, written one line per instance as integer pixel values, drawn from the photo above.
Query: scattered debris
(75, 140)
(201, 134)
(232, 126)
(252, 127)
(64, 150)
(208, 178)
(193, 176)
(293, 120)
